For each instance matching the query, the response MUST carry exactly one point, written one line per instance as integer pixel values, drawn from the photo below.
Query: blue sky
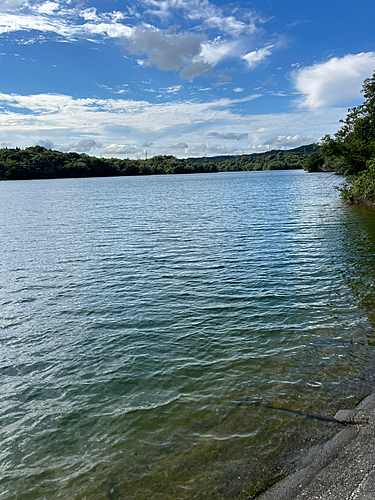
(181, 77)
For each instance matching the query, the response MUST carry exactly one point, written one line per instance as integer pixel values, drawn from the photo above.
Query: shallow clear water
(147, 322)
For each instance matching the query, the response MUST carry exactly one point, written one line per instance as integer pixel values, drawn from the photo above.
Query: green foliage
(354, 144)
(361, 188)
(39, 163)
(352, 150)
(270, 160)
(316, 162)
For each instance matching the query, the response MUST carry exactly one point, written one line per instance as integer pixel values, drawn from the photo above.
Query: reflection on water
(175, 337)
(360, 246)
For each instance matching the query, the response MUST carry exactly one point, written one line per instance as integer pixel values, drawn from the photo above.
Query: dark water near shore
(144, 319)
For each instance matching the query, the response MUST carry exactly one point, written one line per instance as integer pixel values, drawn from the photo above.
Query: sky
(186, 78)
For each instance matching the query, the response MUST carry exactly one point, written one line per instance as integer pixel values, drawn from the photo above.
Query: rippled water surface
(154, 331)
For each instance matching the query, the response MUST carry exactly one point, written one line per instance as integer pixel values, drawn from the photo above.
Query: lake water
(173, 337)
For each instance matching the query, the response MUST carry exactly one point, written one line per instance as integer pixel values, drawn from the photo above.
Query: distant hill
(309, 148)
(276, 159)
(37, 162)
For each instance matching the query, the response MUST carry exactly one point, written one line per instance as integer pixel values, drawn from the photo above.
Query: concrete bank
(342, 469)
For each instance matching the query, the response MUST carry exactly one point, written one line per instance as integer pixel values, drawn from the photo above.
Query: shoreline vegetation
(351, 152)
(37, 162)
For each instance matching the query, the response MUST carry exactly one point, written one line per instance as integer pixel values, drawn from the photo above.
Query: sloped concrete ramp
(342, 469)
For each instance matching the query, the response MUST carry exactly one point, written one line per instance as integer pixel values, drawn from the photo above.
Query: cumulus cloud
(45, 143)
(166, 51)
(89, 14)
(255, 57)
(217, 50)
(336, 81)
(191, 52)
(186, 52)
(109, 29)
(180, 145)
(230, 136)
(83, 146)
(147, 144)
(288, 142)
(210, 149)
(122, 149)
(47, 7)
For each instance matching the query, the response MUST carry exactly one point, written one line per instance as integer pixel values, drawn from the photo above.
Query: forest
(37, 162)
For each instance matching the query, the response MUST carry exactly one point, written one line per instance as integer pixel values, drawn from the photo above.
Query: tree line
(351, 151)
(37, 162)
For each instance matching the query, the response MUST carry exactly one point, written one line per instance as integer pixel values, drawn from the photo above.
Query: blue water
(147, 322)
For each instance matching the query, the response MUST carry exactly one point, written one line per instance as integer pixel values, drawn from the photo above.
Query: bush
(361, 188)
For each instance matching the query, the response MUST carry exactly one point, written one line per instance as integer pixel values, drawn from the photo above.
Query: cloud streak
(256, 57)
(62, 111)
(190, 53)
(230, 136)
(85, 124)
(210, 15)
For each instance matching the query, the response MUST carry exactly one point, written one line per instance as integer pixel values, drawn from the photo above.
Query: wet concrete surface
(341, 469)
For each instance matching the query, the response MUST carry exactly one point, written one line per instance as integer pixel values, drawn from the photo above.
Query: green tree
(354, 144)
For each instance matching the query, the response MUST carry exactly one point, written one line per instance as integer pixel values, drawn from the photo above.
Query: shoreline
(342, 468)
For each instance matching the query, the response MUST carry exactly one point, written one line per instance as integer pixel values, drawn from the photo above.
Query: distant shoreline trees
(37, 162)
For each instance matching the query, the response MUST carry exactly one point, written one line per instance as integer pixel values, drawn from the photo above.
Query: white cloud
(166, 51)
(337, 81)
(83, 146)
(23, 22)
(61, 118)
(288, 142)
(173, 89)
(179, 145)
(210, 149)
(59, 24)
(238, 89)
(45, 143)
(9, 5)
(190, 53)
(229, 136)
(216, 51)
(112, 30)
(232, 26)
(47, 7)
(255, 57)
(122, 149)
(89, 14)
(62, 111)
(204, 11)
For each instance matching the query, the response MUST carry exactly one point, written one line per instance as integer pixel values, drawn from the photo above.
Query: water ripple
(136, 311)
